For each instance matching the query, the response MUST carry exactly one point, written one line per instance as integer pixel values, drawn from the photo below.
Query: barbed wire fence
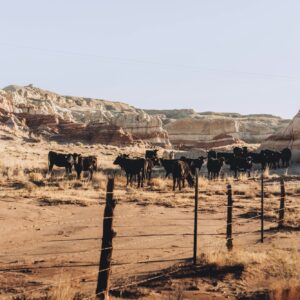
(107, 264)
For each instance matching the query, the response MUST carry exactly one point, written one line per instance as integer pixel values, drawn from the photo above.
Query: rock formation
(205, 130)
(78, 118)
(288, 137)
(100, 121)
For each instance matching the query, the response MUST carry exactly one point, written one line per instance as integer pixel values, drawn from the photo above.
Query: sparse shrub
(29, 186)
(159, 183)
(35, 177)
(63, 289)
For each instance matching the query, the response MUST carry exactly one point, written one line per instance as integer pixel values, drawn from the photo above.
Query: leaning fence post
(195, 221)
(262, 209)
(102, 290)
(282, 201)
(229, 218)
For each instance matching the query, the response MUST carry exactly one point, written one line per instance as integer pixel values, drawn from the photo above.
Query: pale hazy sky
(217, 55)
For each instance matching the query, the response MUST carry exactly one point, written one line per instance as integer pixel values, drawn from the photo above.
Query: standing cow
(61, 160)
(286, 155)
(85, 163)
(180, 172)
(132, 167)
(214, 166)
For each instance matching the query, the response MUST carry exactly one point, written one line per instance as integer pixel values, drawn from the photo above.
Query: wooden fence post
(195, 221)
(282, 201)
(229, 243)
(262, 209)
(102, 290)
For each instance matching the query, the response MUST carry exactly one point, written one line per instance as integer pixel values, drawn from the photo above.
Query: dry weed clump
(275, 263)
(63, 289)
(284, 264)
(222, 258)
(159, 183)
(35, 177)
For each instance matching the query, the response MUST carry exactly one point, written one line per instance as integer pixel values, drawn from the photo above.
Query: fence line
(163, 236)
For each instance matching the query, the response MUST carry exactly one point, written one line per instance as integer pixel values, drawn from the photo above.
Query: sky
(209, 55)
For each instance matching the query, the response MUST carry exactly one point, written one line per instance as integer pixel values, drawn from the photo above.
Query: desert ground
(51, 228)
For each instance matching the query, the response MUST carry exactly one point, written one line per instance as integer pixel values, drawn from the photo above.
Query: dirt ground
(51, 229)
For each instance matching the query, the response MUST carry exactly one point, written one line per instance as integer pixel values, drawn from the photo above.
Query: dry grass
(281, 266)
(273, 263)
(63, 289)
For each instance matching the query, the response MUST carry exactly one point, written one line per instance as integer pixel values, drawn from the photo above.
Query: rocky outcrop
(288, 137)
(204, 130)
(88, 119)
(143, 126)
(83, 117)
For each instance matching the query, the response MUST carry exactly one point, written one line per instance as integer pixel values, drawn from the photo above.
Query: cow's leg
(78, 174)
(91, 174)
(179, 183)
(174, 183)
(131, 179)
(139, 180)
(142, 177)
(50, 168)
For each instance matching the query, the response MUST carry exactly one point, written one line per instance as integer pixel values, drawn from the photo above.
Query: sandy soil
(51, 228)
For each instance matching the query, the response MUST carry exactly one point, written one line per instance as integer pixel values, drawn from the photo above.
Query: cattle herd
(182, 169)
(67, 161)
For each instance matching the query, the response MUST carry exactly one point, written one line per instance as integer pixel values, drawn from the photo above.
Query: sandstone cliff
(189, 129)
(287, 137)
(100, 121)
(80, 118)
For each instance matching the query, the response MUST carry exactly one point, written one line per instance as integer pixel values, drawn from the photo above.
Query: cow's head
(120, 159)
(212, 154)
(221, 160)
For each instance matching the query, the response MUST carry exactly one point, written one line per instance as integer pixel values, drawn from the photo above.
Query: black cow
(270, 159)
(194, 163)
(149, 164)
(238, 151)
(168, 165)
(226, 155)
(211, 154)
(214, 166)
(241, 164)
(180, 172)
(286, 155)
(132, 167)
(85, 163)
(152, 154)
(61, 160)
(256, 157)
